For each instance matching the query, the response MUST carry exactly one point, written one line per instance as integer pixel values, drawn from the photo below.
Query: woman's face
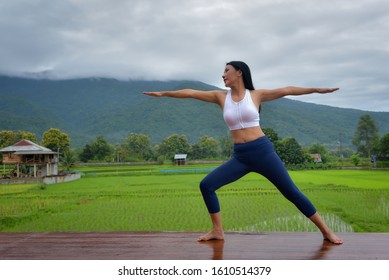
(231, 75)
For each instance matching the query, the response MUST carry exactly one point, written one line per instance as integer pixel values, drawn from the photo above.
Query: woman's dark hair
(240, 65)
(248, 82)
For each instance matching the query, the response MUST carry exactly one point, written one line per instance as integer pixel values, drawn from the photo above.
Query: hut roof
(180, 156)
(24, 147)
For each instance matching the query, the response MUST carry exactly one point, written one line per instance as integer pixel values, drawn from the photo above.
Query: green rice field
(158, 198)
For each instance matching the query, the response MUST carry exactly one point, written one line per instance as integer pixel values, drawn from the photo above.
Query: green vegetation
(120, 124)
(88, 108)
(112, 121)
(155, 198)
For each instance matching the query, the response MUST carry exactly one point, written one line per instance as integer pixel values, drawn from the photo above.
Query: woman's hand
(153, 93)
(326, 90)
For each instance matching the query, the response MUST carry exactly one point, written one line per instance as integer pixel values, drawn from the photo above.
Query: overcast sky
(309, 43)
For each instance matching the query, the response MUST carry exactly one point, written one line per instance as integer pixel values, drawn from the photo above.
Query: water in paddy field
(296, 223)
(383, 207)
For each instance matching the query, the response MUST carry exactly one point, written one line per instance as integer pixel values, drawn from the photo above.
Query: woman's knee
(210, 184)
(205, 186)
(293, 194)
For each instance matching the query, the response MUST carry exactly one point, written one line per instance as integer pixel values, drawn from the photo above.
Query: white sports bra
(242, 114)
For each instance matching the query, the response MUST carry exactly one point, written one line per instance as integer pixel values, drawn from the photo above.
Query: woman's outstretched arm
(271, 94)
(213, 96)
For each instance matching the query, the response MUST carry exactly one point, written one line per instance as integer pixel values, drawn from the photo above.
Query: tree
(138, 146)
(366, 136)
(205, 148)
(25, 135)
(121, 153)
(56, 140)
(227, 146)
(172, 145)
(355, 159)
(317, 148)
(384, 145)
(9, 137)
(273, 137)
(98, 150)
(68, 159)
(271, 134)
(290, 151)
(86, 153)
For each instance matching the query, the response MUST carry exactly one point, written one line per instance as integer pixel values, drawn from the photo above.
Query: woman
(253, 152)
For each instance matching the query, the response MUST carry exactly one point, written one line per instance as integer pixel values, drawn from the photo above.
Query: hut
(316, 158)
(30, 160)
(180, 159)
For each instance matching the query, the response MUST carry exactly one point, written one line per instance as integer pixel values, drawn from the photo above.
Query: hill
(86, 108)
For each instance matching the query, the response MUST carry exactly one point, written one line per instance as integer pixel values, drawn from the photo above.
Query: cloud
(297, 42)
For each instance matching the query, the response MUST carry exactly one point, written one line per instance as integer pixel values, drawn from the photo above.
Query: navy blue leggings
(256, 156)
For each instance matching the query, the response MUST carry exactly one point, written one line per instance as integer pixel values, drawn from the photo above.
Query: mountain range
(89, 107)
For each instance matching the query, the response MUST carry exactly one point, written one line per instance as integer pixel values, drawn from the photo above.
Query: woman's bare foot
(333, 238)
(327, 233)
(212, 235)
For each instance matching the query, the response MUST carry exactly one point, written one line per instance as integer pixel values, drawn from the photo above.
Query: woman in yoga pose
(253, 152)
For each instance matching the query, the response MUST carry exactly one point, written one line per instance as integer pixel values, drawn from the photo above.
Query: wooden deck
(183, 246)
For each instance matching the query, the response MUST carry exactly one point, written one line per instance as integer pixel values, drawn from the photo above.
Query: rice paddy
(146, 199)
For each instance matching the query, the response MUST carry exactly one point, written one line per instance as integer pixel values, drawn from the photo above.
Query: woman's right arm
(213, 96)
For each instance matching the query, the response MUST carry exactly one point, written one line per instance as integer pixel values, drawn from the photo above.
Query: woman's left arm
(271, 94)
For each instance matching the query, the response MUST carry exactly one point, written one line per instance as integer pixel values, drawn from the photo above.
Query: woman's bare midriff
(245, 135)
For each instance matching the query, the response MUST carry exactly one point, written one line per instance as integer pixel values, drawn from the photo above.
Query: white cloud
(305, 43)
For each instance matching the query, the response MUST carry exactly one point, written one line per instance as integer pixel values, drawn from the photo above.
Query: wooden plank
(184, 246)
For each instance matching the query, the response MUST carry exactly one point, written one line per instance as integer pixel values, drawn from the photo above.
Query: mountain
(87, 108)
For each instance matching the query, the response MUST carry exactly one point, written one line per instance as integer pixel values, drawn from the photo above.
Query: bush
(161, 160)
(355, 159)
(310, 166)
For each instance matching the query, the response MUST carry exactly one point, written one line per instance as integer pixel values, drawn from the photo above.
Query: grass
(134, 198)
